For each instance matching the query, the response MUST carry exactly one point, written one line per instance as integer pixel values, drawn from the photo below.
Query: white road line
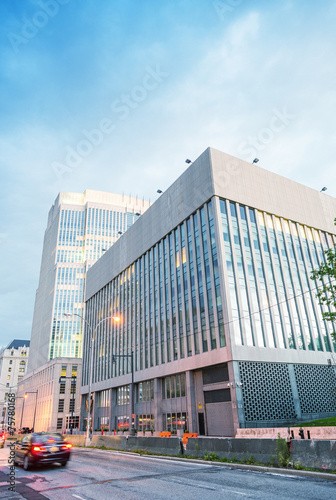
(236, 492)
(190, 464)
(77, 496)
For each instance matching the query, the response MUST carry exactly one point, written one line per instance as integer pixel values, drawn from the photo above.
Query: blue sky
(164, 80)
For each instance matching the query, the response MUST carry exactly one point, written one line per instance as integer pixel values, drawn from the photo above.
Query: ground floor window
(59, 424)
(75, 423)
(122, 423)
(174, 421)
(104, 423)
(146, 422)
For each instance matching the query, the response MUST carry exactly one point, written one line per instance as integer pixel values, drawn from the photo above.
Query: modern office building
(48, 398)
(13, 366)
(81, 227)
(212, 285)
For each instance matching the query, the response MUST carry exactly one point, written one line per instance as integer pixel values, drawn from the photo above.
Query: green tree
(327, 289)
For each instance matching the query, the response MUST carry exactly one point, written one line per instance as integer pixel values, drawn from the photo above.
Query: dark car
(42, 448)
(24, 430)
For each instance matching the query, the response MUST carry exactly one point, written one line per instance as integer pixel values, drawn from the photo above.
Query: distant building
(213, 289)
(81, 227)
(47, 402)
(13, 366)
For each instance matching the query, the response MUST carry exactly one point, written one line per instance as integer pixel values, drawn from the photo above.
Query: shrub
(283, 452)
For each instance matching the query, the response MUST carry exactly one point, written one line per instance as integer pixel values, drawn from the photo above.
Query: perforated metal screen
(267, 393)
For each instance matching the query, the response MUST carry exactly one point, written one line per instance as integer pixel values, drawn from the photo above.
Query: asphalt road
(99, 474)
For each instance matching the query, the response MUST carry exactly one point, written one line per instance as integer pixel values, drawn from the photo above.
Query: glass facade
(268, 264)
(83, 236)
(169, 302)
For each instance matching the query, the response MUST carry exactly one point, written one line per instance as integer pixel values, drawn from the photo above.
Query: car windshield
(48, 439)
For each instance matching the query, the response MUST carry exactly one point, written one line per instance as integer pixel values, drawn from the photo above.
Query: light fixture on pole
(24, 399)
(255, 160)
(188, 161)
(25, 396)
(159, 191)
(323, 189)
(93, 332)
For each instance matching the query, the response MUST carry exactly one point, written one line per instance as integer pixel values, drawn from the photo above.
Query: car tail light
(37, 449)
(67, 446)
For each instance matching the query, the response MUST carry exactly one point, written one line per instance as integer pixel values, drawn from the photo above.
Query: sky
(114, 95)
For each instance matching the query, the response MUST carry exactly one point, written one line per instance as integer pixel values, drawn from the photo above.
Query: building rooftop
(16, 343)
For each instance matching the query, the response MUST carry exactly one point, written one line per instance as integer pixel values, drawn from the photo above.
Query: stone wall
(320, 454)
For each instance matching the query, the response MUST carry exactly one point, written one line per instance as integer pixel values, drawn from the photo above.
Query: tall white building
(217, 307)
(81, 227)
(13, 366)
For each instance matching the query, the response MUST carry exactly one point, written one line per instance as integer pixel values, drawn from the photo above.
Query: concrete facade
(213, 288)
(48, 400)
(13, 366)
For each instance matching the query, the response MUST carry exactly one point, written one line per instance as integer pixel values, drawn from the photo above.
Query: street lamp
(93, 338)
(24, 398)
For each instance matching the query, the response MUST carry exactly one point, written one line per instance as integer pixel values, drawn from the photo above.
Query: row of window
(169, 301)
(268, 263)
(72, 404)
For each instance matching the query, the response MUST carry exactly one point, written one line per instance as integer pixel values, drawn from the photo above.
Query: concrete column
(158, 404)
(191, 402)
(113, 409)
(294, 391)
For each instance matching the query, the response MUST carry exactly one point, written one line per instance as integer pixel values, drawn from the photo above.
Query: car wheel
(26, 463)
(63, 464)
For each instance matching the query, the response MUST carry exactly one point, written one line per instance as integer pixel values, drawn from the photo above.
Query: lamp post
(93, 332)
(132, 430)
(24, 397)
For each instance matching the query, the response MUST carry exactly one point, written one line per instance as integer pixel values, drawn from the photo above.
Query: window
(22, 362)
(10, 361)
(174, 421)
(60, 405)
(174, 386)
(62, 388)
(74, 371)
(75, 424)
(123, 395)
(59, 423)
(71, 406)
(219, 396)
(8, 377)
(21, 369)
(9, 369)
(146, 391)
(12, 353)
(64, 371)
(217, 373)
